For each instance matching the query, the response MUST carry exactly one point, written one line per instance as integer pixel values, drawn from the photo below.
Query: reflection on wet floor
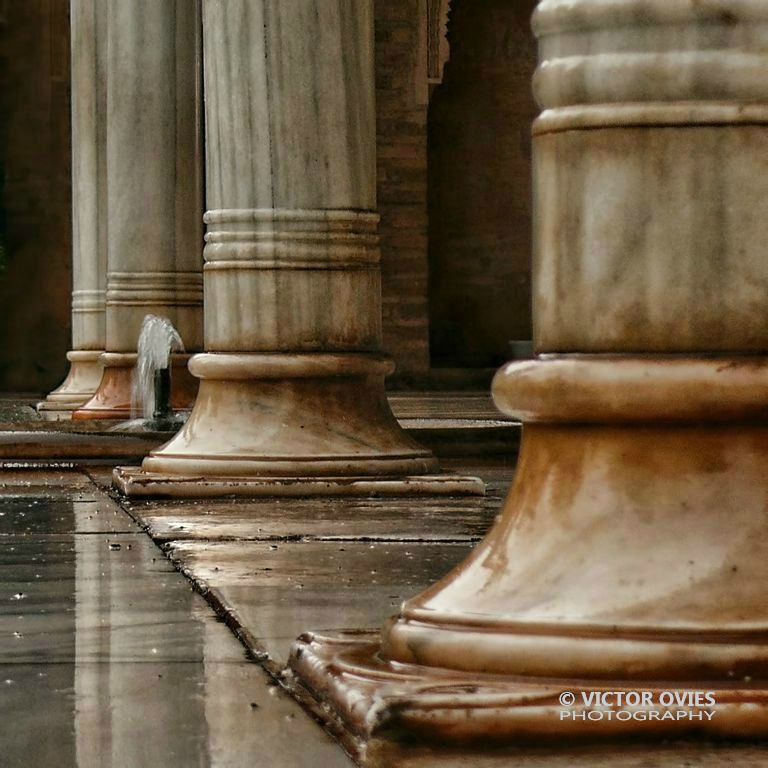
(279, 567)
(277, 591)
(105, 642)
(109, 658)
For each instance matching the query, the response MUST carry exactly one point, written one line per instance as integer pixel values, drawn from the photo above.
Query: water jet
(151, 408)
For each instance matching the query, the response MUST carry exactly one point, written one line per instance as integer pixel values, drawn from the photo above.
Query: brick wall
(402, 181)
(35, 281)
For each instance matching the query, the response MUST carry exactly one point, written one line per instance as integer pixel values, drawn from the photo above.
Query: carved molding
(438, 49)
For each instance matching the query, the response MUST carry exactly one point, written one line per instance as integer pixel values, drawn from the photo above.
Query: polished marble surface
(454, 406)
(326, 519)
(280, 567)
(35, 515)
(627, 756)
(277, 591)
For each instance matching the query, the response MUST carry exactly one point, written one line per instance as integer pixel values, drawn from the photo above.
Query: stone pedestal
(154, 191)
(292, 388)
(89, 211)
(631, 553)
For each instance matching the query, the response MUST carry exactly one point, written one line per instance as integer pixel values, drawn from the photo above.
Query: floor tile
(423, 519)
(448, 405)
(277, 591)
(50, 493)
(608, 756)
(348, 519)
(90, 595)
(30, 515)
(108, 657)
(56, 478)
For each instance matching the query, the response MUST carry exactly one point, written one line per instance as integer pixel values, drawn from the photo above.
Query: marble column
(89, 211)
(292, 387)
(632, 553)
(154, 191)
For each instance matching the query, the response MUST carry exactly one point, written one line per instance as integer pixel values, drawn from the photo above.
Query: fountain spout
(162, 385)
(151, 400)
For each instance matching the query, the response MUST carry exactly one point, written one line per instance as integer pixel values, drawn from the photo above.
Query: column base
(631, 555)
(378, 700)
(82, 381)
(112, 399)
(291, 424)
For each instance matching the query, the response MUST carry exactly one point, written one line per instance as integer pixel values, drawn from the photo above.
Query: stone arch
(438, 47)
(480, 186)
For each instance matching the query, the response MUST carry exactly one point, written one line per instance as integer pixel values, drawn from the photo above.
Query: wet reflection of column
(89, 222)
(154, 191)
(93, 729)
(139, 671)
(228, 716)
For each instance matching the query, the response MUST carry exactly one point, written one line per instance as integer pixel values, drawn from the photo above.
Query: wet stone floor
(109, 657)
(120, 651)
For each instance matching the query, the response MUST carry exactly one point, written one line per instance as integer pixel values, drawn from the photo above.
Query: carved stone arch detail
(438, 47)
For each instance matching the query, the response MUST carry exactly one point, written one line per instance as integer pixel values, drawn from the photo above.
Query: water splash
(157, 340)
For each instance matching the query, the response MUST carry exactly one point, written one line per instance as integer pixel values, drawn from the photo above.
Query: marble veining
(630, 553)
(153, 152)
(290, 124)
(292, 383)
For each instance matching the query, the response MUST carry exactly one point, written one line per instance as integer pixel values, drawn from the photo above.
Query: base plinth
(112, 399)
(374, 699)
(82, 381)
(133, 481)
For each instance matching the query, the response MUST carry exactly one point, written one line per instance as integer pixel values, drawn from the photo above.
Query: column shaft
(291, 178)
(89, 209)
(154, 190)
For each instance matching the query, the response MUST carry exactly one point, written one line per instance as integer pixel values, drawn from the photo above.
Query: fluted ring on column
(291, 239)
(314, 274)
(88, 301)
(656, 52)
(174, 289)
